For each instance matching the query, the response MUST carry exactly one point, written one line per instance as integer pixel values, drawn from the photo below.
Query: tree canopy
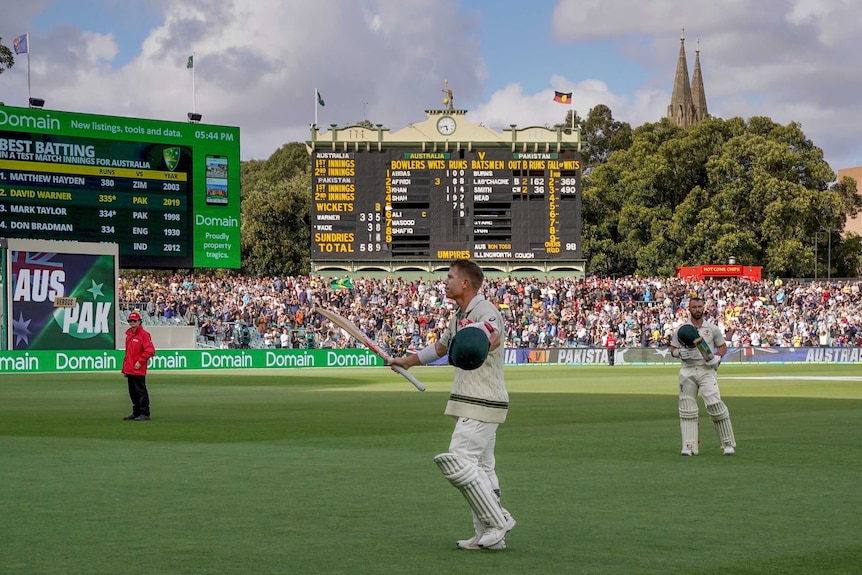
(754, 190)
(276, 197)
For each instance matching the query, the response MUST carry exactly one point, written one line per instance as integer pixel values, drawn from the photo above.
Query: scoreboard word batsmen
(491, 205)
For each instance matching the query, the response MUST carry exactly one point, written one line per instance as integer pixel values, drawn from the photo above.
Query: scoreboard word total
(407, 205)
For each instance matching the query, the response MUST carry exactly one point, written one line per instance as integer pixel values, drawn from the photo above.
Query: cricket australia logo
(172, 158)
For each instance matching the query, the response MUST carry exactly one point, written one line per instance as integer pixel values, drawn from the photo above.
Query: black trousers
(611, 353)
(138, 394)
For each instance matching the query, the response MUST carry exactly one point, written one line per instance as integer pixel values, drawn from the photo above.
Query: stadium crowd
(274, 312)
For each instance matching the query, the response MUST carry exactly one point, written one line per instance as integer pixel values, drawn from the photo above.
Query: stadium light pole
(826, 230)
(816, 241)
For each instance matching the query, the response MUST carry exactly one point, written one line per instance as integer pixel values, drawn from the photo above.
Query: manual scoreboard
(401, 204)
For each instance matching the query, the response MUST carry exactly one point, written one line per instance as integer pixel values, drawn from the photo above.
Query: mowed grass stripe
(332, 472)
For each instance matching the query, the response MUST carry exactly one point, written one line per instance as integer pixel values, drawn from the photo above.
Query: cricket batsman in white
(479, 403)
(698, 374)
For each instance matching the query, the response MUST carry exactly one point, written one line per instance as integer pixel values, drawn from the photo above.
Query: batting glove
(689, 354)
(714, 362)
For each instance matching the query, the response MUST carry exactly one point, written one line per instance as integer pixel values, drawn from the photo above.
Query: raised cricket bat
(363, 338)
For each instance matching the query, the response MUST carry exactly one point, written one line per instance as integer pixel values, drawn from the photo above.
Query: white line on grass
(800, 377)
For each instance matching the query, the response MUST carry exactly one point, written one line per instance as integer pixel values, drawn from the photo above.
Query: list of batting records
(87, 189)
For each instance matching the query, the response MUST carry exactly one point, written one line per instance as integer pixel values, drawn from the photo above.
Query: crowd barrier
(196, 359)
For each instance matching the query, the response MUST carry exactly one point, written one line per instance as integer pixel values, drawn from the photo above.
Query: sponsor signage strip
(172, 360)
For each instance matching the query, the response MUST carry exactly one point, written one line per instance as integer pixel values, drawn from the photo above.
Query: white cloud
(258, 63)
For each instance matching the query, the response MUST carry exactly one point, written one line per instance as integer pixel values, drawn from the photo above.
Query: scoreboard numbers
(483, 204)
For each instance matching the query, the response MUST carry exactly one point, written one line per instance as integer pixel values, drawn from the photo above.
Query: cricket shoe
(688, 452)
(728, 450)
(472, 544)
(495, 535)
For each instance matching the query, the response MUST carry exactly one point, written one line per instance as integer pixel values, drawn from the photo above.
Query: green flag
(341, 284)
(190, 63)
(320, 99)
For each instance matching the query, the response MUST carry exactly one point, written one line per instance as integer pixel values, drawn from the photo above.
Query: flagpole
(29, 93)
(315, 107)
(194, 96)
(573, 113)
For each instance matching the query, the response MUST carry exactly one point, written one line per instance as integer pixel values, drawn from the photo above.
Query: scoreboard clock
(483, 204)
(446, 125)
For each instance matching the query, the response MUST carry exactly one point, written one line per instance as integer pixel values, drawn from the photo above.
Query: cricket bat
(363, 338)
(703, 348)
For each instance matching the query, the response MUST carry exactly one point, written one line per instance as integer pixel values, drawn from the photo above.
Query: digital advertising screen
(166, 192)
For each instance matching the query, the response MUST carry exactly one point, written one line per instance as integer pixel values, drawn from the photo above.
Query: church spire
(698, 94)
(688, 101)
(681, 108)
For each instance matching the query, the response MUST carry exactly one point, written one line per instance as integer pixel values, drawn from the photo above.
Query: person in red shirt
(139, 349)
(611, 345)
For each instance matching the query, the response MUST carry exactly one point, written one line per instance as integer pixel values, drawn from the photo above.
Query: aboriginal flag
(562, 97)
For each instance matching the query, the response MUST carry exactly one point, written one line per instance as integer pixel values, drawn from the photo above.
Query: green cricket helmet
(469, 348)
(686, 334)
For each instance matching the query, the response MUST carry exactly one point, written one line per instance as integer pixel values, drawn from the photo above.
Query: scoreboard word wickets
(486, 204)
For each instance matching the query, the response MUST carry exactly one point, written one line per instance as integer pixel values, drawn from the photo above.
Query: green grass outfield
(331, 471)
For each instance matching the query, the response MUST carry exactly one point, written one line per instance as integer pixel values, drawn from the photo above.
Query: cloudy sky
(259, 62)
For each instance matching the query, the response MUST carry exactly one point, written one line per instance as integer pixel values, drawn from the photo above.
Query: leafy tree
(275, 227)
(276, 199)
(7, 60)
(754, 190)
(566, 125)
(603, 135)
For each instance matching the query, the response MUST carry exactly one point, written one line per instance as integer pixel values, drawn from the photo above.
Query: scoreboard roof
(445, 130)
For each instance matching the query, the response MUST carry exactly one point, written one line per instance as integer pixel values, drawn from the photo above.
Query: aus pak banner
(62, 301)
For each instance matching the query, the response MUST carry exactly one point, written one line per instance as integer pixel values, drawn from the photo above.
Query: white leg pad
(466, 477)
(688, 416)
(721, 421)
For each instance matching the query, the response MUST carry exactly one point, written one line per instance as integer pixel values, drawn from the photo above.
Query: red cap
(135, 315)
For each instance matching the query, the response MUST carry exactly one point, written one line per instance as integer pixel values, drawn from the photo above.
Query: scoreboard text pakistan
(408, 205)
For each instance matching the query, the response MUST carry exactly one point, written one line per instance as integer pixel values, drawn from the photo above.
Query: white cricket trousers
(474, 440)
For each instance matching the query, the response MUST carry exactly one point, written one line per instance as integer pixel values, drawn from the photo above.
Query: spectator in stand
(219, 331)
(208, 332)
(191, 315)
